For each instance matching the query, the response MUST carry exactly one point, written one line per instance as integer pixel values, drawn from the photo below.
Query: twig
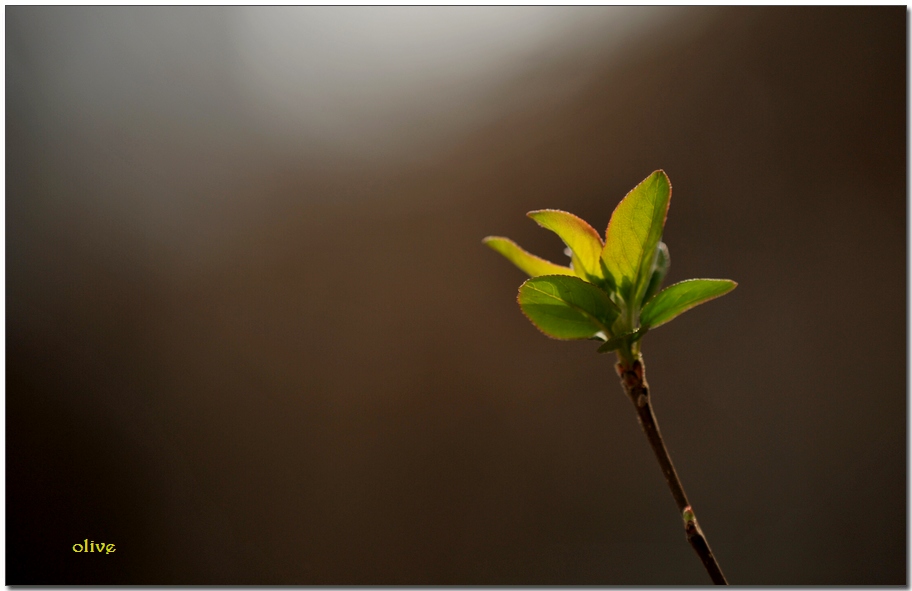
(633, 379)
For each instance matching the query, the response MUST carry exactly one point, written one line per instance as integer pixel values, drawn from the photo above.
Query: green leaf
(529, 263)
(634, 232)
(680, 297)
(660, 269)
(615, 342)
(567, 307)
(578, 235)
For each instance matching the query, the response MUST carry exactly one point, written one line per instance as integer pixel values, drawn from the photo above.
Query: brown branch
(633, 379)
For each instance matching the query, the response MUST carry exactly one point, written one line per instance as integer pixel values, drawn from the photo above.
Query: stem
(633, 379)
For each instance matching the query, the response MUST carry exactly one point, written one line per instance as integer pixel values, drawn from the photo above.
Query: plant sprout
(610, 292)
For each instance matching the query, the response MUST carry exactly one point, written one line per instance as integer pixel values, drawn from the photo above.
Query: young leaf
(680, 297)
(660, 269)
(582, 239)
(634, 232)
(531, 264)
(567, 307)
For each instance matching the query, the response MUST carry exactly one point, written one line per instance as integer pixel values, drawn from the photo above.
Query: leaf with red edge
(633, 234)
(578, 235)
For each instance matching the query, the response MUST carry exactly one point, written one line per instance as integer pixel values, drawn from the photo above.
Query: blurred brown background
(253, 336)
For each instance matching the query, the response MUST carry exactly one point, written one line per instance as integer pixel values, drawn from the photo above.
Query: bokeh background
(253, 336)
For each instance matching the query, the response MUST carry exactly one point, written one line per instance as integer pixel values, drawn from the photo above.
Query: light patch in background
(353, 77)
(184, 111)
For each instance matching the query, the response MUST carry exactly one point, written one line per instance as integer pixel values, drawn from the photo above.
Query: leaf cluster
(611, 290)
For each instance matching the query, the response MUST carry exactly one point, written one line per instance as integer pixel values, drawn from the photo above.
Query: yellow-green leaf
(567, 307)
(527, 262)
(680, 297)
(578, 235)
(634, 232)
